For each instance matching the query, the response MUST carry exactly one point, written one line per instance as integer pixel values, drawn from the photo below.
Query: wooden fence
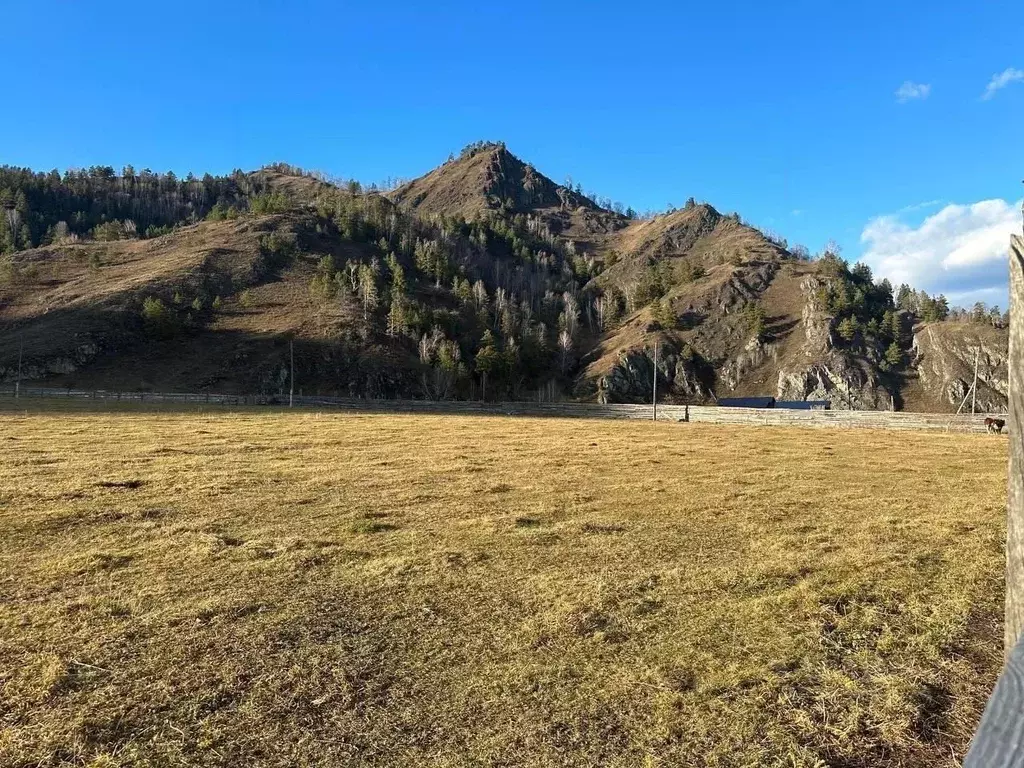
(669, 413)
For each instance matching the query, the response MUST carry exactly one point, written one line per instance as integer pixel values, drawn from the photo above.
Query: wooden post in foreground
(1015, 490)
(999, 740)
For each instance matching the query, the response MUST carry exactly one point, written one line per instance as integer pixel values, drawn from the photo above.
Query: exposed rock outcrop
(842, 382)
(834, 374)
(754, 354)
(943, 358)
(35, 367)
(817, 321)
(681, 374)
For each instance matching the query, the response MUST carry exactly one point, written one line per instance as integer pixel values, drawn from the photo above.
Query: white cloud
(920, 206)
(960, 251)
(910, 90)
(1003, 79)
(798, 212)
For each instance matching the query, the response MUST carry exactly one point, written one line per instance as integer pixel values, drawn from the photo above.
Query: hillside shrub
(160, 321)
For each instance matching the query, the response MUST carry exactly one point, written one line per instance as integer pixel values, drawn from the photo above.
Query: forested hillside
(481, 279)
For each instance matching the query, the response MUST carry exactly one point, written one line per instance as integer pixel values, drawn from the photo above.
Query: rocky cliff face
(711, 354)
(33, 367)
(944, 357)
(681, 374)
(820, 370)
(797, 359)
(844, 383)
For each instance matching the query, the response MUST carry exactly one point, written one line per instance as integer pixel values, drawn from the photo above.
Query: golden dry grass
(291, 588)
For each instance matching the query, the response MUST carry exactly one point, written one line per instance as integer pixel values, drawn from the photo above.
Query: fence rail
(693, 413)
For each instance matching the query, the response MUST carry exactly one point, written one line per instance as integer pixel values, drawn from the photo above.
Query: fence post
(1015, 490)
(21, 348)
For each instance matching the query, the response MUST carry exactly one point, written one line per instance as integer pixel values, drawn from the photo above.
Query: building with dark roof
(804, 405)
(747, 402)
(771, 402)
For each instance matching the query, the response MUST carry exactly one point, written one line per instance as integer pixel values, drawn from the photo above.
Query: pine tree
(398, 286)
(397, 322)
(755, 319)
(511, 358)
(487, 359)
(894, 355)
(6, 240)
(662, 314)
(847, 328)
(891, 325)
(159, 320)
(25, 237)
(904, 298)
(397, 310)
(927, 308)
(425, 256)
(463, 290)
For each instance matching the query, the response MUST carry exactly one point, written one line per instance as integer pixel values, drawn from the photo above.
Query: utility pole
(974, 386)
(655, 398)
(21, 348)
(291, 392)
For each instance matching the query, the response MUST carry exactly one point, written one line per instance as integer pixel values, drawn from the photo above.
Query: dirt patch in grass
(130, 485)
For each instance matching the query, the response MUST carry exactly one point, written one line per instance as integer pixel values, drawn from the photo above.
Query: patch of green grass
(371, 526)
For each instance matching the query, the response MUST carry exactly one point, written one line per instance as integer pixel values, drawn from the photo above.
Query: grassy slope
(65, 302)
(270, 588)
(64, 296)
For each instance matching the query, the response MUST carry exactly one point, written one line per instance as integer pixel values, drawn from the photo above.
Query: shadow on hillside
(689, 320)
(779, 326)
(105, 348)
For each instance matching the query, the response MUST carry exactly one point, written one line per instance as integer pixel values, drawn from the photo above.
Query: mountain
(483, 278)
(487, 179)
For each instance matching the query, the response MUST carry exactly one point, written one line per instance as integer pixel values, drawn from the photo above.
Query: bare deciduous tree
(565, 347)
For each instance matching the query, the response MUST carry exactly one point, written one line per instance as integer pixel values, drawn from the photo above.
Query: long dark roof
(747, 402)
(771, 402)
(804, 405)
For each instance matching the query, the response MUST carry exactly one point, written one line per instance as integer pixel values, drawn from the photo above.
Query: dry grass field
(268, 588)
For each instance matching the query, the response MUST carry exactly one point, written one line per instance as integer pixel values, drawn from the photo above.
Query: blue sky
(812, 119)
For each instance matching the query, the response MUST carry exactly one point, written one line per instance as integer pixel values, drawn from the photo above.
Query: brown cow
(995, 426)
